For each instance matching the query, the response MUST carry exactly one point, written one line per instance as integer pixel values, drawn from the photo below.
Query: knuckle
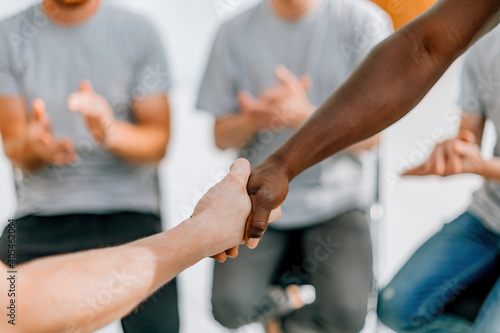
(266, 197)
(257, 228)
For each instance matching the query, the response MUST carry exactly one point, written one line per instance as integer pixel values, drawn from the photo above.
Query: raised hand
(285, 105)
(268, 188)
(455, 156)
(259, 114)
(289, 98)
(41, 141)
(95, 109)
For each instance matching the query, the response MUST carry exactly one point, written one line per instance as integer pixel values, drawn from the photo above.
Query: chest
(52, 64)
(314, 52)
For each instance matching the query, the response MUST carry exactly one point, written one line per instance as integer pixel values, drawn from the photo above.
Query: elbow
(433, 50)
(159, 154)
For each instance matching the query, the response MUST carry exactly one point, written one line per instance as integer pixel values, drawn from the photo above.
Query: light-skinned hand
(224, 210)
(41, 142)
(452, 157)
(96, 110)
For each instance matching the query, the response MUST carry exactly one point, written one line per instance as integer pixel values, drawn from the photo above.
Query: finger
(306, 82)
(39, 111)
(233, 252)
(75, 102)
(46, 139)
(275, 215)
(467, 136)
(64, 152)
(437, 165)
(246, 100)
(81, 102)
(221, 257)
(286, 77)
(453, 160)
(86, 86)
(274, 95)
(460, 148)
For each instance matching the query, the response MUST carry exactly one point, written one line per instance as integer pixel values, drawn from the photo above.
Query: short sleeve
(152, 72)
(217, 92)
(369, 26)
(9, 83)
(469, 98)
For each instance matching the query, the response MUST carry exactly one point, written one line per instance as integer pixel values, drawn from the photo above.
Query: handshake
(238, 209)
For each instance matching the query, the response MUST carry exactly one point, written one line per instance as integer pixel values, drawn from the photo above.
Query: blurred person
(84, 291)
(85, 121)
(387, 85)
(466, 251)
(270, 66)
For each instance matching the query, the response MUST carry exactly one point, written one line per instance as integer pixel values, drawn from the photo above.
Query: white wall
(413, 208)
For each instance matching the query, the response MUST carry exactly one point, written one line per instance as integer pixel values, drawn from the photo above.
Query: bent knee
(395, 310)
(348, 316)
(234, 311)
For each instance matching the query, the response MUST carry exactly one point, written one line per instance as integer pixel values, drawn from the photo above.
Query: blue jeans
(462, 254)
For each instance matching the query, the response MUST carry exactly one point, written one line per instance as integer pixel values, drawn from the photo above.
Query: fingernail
(253, 242)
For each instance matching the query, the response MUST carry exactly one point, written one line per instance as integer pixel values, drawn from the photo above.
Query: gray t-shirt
(480, 94)
(121, 54)
(326, 44)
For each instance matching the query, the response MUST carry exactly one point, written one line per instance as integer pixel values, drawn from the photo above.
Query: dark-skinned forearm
(389, 83)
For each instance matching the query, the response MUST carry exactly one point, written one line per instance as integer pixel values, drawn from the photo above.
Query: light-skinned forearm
(88, 290)
(233, 131)
(137, 143)
(389, 83)
(21, 155)
(490, 169)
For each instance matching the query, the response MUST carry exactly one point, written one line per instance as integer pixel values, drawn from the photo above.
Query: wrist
(111, 134)
(32, 158)
(281, 163)
(482, 167)
(199, 240)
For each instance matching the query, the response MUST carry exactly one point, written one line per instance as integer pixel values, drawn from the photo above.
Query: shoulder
(233, 27)
(484, 54)
(26, 18)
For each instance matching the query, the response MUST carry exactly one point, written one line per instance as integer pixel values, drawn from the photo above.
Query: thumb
(86, 86)
(257, 222)
(241, 168)
(39, 111)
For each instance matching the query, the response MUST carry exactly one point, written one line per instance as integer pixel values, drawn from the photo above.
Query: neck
(70, 13)
(293, 9)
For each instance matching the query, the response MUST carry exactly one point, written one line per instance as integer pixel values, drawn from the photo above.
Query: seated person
(85, 291)
(85, 120)
(466, 252)
(270, 66)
